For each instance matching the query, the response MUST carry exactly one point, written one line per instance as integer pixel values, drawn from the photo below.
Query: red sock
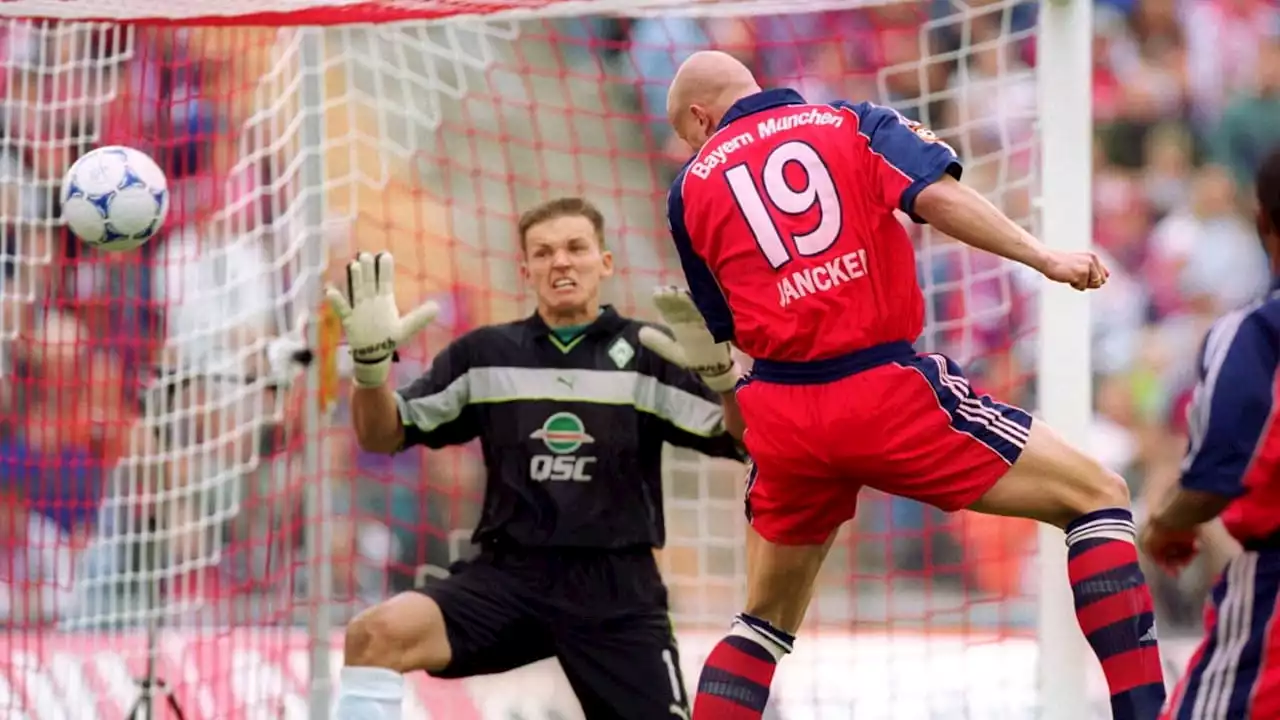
(1113, 606)
(734, 684)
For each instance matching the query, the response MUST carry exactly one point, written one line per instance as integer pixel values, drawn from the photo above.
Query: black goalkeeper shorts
(602, 614)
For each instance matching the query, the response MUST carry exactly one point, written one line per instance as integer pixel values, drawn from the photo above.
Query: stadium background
(475, 125)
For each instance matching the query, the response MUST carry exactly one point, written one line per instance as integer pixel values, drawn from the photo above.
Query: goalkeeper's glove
(692, 346)
(370, 319)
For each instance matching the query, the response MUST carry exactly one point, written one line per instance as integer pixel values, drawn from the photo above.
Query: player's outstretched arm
(691, 346)
(964, 214)
(374, 328)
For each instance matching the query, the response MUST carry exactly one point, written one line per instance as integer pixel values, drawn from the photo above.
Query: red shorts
(912, 428)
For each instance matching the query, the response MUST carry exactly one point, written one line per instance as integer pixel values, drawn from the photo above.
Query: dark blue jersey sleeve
(436, 409)
(1231, 405)
(702, 283)
(903, 156)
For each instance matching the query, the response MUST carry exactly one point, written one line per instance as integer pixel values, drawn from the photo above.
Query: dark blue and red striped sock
(734, 684)
(1114, 608)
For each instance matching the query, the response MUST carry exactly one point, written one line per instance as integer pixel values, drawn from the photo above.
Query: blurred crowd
(94, 347)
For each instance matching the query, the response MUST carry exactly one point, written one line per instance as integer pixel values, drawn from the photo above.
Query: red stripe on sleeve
(893, 182)
(890, 181)
(1255, 516)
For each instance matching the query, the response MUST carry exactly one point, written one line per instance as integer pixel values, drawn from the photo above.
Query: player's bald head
(706, 85)
(707, 76)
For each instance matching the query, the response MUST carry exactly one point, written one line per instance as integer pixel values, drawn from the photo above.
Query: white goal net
(191, 508)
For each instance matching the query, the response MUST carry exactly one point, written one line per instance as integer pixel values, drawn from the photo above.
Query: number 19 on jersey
(819, 190)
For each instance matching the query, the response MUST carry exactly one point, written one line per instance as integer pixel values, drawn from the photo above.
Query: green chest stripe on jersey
(567, 338)
(565, 346)
(687, 411)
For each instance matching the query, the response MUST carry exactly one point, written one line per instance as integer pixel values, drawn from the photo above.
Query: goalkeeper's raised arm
(374, 329)
(572, 406)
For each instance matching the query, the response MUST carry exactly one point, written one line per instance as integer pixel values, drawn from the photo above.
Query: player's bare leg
(1055, 483)
(734, 684)
(400, 635)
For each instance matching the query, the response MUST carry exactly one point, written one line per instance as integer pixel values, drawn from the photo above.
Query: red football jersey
(785, 226)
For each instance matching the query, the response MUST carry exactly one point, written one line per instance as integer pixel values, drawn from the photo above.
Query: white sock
(761, 633)
(369, 693)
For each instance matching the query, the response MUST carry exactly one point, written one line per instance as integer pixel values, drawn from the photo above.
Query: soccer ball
(115, 198)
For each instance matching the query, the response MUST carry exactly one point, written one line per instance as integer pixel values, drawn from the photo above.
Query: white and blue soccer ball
(115, 198)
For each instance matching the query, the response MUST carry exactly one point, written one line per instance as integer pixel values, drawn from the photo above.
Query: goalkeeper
(572, 406)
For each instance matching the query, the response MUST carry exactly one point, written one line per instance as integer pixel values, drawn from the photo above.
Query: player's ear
(699, 115)
(524, 258)
(606, 263)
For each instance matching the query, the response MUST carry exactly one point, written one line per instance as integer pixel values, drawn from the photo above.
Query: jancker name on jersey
(822, 278)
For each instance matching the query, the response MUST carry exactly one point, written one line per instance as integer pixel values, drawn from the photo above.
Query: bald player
(785, 224)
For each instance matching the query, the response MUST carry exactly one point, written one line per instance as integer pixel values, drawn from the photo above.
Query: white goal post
(426, 125)
(1065, 368)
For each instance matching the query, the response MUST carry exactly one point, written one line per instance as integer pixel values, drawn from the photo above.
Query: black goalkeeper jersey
(572, 432)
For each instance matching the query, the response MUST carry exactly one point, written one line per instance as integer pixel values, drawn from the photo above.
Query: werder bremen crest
(621, 352)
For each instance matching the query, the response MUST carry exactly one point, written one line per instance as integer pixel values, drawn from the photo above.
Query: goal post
(318, 496)
(1065, 368)
(300, 131)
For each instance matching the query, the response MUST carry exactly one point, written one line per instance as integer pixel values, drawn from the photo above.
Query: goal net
(193, 517)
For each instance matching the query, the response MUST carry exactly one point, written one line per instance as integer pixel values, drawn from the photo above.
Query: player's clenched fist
(692, 346)
(1171, 549)
(370, 318)
(1080, 270)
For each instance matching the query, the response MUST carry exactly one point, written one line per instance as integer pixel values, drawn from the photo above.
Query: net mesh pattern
(165, 481)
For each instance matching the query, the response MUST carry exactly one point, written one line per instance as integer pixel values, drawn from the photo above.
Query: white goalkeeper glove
(370, 318)
(692, 346)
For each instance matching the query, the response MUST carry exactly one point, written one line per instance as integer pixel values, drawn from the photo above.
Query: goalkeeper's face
(565, 262)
